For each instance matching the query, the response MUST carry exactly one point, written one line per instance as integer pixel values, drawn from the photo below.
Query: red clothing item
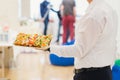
(68, 26)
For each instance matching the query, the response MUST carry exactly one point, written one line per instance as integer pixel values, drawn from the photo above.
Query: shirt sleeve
(86, 37)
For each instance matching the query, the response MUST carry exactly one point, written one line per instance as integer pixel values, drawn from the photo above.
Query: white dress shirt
(95, 38)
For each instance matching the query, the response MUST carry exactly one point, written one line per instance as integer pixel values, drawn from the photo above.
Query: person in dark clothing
(59, 24)
(44, 10)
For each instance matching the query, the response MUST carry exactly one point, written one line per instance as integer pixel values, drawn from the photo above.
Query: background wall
(9, 13)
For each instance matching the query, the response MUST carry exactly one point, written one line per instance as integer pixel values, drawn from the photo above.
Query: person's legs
(71, 27)
(45, 26)
(68, 34)
(99, 74)
(59, 27)
(65, 25)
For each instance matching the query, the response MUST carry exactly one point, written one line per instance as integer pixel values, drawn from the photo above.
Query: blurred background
(21, 16)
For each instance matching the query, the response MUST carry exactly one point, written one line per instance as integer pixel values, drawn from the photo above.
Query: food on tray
(33, 40)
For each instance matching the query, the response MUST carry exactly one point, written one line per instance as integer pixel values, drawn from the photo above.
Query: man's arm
(54, 10)
(74, 11)
(74, 8)
(87, 35)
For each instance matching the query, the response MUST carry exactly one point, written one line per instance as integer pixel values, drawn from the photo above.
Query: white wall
(9, 13)
(25, 8)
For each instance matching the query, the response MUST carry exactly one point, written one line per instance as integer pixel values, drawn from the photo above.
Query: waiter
(95, 43)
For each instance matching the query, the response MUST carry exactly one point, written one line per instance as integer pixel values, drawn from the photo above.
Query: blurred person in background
(59, 23)
(95, 43)
(68, 12)
(44, 11)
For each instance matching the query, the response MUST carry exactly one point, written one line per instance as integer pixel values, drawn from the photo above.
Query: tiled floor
(36, 66)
